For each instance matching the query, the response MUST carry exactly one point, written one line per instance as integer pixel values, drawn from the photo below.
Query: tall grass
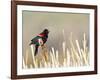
(70, 57)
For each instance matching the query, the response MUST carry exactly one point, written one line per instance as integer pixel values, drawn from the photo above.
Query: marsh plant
(74, 56)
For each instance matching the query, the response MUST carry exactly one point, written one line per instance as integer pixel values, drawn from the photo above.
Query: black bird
(40, 40)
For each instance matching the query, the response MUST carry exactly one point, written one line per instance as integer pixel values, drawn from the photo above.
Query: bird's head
(46, 31)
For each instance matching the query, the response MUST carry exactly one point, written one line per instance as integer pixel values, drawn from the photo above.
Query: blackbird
(39, 40)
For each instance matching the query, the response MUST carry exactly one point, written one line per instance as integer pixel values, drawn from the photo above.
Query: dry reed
(71, 57)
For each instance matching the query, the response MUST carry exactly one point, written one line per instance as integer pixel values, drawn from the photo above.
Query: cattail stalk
(34, 60)
(71, 57)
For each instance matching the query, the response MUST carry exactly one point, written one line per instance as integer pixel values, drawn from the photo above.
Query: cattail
(79, 51)
(24, 66)
(34, 60)
(57, 59)
(70, 57)
(64, 48)
(84, 58)
(52, 59)
(53, 56)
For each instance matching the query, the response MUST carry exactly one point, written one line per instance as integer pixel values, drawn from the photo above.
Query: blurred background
(60, 25)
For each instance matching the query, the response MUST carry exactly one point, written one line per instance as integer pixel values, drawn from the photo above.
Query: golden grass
(70, 57)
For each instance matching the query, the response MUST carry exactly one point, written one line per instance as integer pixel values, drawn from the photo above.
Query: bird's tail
(36, 50)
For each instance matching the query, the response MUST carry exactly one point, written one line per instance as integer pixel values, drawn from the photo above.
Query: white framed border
(21, 71)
